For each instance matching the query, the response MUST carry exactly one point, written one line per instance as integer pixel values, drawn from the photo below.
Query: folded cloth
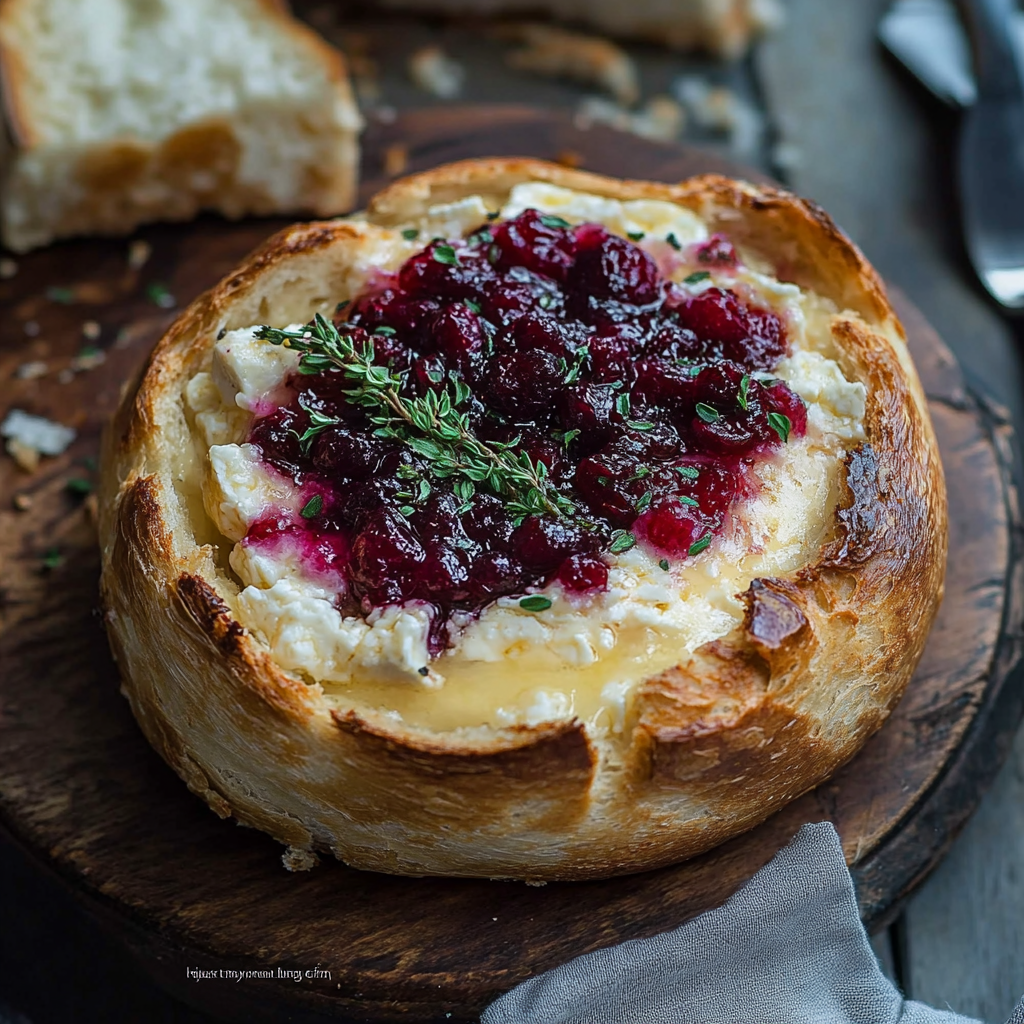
(788, 948)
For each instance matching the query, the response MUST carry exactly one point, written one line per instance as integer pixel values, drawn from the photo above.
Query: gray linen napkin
(788, 948)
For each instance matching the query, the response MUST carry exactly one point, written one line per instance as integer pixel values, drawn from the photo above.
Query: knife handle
(990, 23)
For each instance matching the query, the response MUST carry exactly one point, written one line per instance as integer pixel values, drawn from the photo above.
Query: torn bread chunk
(127, 112)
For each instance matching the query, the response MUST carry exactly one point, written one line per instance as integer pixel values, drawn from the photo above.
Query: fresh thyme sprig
(432, 426)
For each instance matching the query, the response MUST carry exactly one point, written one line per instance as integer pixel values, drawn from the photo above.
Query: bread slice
(128, 111)
(725, 27)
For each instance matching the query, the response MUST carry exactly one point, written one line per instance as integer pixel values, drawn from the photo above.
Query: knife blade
(991, 161)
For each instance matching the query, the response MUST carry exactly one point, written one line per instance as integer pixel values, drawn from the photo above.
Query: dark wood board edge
(888, 876)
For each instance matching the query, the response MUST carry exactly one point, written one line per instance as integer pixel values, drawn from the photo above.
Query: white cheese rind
(307, 634)
(834, 404)
(246, 370)
(240, 487)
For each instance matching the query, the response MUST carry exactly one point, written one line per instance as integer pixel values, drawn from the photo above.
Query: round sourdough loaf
(705, 749)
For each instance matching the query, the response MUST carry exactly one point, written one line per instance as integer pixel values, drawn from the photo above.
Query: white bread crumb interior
(128, 111)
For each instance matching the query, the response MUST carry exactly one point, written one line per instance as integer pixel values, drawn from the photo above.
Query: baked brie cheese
(531, 524)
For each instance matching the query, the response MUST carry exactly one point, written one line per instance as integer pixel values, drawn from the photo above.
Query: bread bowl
(570, 726)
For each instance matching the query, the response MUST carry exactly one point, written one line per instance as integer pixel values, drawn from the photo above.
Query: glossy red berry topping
(642, 402)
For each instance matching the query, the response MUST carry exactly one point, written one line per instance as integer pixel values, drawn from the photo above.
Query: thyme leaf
(781, 424)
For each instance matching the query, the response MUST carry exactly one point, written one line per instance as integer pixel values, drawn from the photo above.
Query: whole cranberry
(608, 267)
(661, 384)
(487, 522)
(277, 436)
(540, 331)
(540, 242)
(777, 397)
(670, 528)
(611, 480)
(410, 318)
(543, 542)
(390, 350)
(494, 573)
(583, 573)
(441, 578)
(459, 336)
(355, 454)
(438, 521)
(588, 408)
(361, 501)
(446, 270)
(669, 340)
(612, 349)
(385, 555)
(541, 447)
(729, 329)
(525, 384)
(428, 373)
(519, 292)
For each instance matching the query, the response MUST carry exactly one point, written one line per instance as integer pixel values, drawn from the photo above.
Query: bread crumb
(22, 502)
(160, 296)
(295, 858)
(139, 252)
(787, 156)
(25, 456)
(396, 159)
(722, 110)
(767, 15)
(435, 72)
(91, 330)
(31, 328)
(8, 268)
(88, 359)
(591, 60)
(36, 432)
(661, 119)
(569, 158)
(31, 371)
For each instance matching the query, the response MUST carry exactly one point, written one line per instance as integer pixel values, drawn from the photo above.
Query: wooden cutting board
(84, 794)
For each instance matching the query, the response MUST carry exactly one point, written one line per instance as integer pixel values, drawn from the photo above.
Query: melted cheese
(584, 656)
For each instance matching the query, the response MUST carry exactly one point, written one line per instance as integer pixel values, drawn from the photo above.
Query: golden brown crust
(747, 723)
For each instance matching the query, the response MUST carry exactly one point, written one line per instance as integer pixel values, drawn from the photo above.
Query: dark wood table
(866, 142)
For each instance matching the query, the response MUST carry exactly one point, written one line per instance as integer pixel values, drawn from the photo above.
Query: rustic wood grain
(85, 795)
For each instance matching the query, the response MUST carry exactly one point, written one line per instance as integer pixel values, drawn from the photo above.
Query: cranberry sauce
(645, 402)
